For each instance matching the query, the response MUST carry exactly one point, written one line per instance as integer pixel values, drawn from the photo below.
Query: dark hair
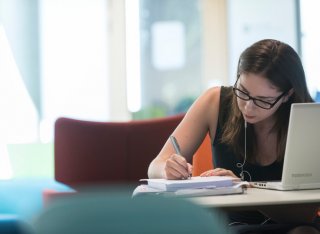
(281, 65)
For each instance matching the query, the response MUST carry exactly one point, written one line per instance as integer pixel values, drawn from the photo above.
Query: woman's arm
(200, 118)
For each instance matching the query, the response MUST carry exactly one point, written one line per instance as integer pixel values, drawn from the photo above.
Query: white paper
(193, 182)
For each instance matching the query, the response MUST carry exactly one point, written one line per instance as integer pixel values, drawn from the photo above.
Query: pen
(175, 144)
(176, 147)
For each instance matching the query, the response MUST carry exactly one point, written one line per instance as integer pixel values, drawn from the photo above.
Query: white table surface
(254, 197)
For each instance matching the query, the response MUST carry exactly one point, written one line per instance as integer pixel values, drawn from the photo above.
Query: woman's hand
(177, 168)
(219, 172)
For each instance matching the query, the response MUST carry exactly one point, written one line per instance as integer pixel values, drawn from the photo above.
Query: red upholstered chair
(89, 153)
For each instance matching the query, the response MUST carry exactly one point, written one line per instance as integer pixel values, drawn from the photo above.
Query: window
(310, 37)
(165, 70)
(54, 62)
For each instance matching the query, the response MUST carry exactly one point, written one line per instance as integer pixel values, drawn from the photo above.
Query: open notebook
(302, 154)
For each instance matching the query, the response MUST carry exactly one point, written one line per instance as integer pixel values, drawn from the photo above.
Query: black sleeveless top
(224, 157)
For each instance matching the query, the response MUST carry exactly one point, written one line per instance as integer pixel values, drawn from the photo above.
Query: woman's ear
(288, 95)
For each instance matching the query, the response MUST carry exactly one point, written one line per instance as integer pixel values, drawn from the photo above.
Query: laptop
(301, 167)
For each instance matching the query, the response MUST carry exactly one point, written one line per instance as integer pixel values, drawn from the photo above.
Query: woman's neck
(266, 141)
(264, 127)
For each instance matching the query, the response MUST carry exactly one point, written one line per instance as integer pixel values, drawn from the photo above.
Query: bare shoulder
(206, 108)
(212, 95)
(210, 99)
(209, 107)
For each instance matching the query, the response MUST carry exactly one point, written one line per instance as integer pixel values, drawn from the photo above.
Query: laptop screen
(302, 154)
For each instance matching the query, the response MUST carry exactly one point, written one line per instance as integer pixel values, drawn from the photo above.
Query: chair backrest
(88, 152)
(202, 159)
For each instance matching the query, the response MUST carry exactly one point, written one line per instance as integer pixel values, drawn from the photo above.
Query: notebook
(236, 188)
(192, 183)
(302, 154)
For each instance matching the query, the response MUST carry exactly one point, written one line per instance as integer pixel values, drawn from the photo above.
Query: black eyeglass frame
(235, 90)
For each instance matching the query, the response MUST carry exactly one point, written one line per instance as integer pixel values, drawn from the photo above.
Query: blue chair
(12, 225)
(117, 212)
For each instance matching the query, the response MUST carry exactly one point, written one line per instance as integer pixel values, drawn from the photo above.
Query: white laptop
(301, 167)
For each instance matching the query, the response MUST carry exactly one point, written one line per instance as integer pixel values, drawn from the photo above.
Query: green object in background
(31, 160)
(162, 109)
(149, 113)
(183, 105)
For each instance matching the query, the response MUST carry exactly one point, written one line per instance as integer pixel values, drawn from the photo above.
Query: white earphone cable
(241, 165)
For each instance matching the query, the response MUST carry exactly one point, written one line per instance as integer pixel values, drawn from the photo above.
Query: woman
(247, 123)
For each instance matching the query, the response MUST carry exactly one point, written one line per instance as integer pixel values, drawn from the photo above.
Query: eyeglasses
(260, 103)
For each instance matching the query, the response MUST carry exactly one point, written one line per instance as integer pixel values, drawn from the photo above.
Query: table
(282, 206)
(254, 198)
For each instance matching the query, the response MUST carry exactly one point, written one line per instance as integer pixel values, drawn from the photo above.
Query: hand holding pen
(184, 168)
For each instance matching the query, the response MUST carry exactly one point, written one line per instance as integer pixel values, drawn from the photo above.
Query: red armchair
(88, 152)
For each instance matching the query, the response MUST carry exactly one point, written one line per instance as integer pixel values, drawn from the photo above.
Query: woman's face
(260, 88)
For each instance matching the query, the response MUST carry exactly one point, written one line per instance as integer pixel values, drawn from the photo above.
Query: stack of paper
(235, 189)
(146, 190)
(192, 183)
